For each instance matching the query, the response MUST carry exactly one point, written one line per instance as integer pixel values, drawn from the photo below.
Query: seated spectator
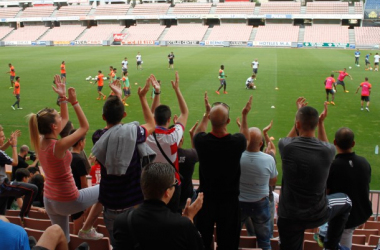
(22, 160)
(39, 181)
(33, 171)
(152, 225)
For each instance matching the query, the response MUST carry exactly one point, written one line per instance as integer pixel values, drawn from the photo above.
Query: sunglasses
(221, 103)
(175, 184)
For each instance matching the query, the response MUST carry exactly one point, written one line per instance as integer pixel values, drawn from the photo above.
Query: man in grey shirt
(258, 171)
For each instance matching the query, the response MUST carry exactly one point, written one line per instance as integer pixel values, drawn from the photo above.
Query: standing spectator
(366, 92)
(124, 65)
(258, 172)
(152, 225)
(12, 74)
(138, 61)
(306, 163)
(350, 174)
(255, 66)
(219, 155)
(165, 141)
(22, 158)
(39, 181)
(7, 190)
(16, 93)
(171, 60)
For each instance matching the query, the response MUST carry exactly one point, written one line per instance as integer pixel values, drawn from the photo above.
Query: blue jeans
(259, 213)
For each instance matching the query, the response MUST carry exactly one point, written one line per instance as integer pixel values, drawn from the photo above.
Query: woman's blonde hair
(39, 124)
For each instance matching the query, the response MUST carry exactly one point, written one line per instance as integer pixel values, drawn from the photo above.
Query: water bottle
(377, 150)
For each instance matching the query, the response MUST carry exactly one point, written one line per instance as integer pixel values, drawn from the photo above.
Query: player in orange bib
(100, 82)
(63, 70)
(330, 88)
(16, 92)
(366, 91)
(12, 74)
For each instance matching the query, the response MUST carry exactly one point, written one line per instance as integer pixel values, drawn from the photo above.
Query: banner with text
(139, 42)
(338, 45)
(182, 42)
(271, 44)
(119, 37)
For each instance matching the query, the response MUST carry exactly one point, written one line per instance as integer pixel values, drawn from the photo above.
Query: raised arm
(148, 116)
(115, 87)
(13, 143)
(191, 131)
(181, 101)
(157, 91)
(65, 143)
(60, 89)
(5, 146)
(301, 102)
(244, 122)
(203, 125)
(270, 145)
(321, 126)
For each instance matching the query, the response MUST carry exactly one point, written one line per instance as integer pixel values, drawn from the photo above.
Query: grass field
(296, 72)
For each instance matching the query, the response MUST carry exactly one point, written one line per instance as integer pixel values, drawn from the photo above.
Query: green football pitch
(295, 72)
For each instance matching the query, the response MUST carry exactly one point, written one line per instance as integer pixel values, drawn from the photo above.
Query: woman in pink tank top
(61, 196)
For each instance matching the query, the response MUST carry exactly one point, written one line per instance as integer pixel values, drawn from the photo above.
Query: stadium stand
(194, 32)
(192, 8)
(28, 33)
(112, 10)
(280, 8)
(74, 10)
(372, 4)
(230, 32)
(326, 34)
(358, 8)
(151, 9)
(5, 30)
(367, 35)
(9, 12)
(63, 33)
(44, 11)
(101, 32)
(277, 33)
(327, 7)
(144, 32)
(235, 8)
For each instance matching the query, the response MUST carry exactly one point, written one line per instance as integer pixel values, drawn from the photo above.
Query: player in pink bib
(342, 75)
(329, 87)
(366, 91)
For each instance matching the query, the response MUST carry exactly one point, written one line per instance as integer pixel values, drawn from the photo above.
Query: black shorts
(365, 98)
(255, 71)
(12, 78)
(125, 70)
(138, 62)
(222, 81)
(340, 83)
(63, 75)
(100, 88)
(171, 62)
(376, 63)
(126, 92)
(330, 91)
(367, 62)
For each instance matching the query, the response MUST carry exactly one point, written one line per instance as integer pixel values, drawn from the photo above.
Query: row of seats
(27, 33)
(63, 33)
(326, 33)
(194, 32)
(367, 35)
(230, 32)
(277, 33)
(186, 8)
(101, 32)
(144, 32)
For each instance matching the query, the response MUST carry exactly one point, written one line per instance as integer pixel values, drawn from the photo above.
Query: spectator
(22, 158)
(95, 173)
(61, 196)
(219, 173)
(152, 225)
(165, 141)
(7, 190)
(33, 171)
(306, 162)
(350, 174)
(258, 172)
(121, 163)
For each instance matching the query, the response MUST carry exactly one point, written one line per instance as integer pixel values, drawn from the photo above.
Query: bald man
(258, 172)
(219, 155)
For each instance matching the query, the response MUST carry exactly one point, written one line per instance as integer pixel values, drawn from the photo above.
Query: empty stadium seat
(34, 232)
(112, 10)
(326, 34)
(144, 32)
(194, 32)
(192, 8)
(235, 8)
(101, 32)
(247, 242)
(74, 10)
(367, 35)
(151, 9)
(277, 33)
(63, 33)
(15, 220)
(230, 32)
(327, 7)
(280, 8)
(103, 244)
(9, 12)
(27, 33)
(44, 11)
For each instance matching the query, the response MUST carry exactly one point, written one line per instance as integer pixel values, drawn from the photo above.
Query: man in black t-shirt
(22, 158)
(171, 60)
(350, 174)
(306, 162)
(219, 155)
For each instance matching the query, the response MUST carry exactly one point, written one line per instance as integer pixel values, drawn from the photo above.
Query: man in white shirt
(377, 59)
(139, 61)
(255, 66)
(250, 84)
(124, 65)
(168, 139)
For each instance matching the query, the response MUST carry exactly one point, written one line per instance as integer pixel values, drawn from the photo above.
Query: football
(350, 67)
(334, 91)
(254, 87)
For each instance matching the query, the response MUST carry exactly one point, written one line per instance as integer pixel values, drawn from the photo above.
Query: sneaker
(367, 109)
(346, 91)
(90, 234)
(225, 92)
(98, 98)
(327, 103)
(217, 92)
(126, 104)
(19, 108)
(362, 109)
(13, 108)
(333, 103)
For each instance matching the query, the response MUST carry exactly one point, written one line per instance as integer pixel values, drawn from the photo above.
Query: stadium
(297, 43)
